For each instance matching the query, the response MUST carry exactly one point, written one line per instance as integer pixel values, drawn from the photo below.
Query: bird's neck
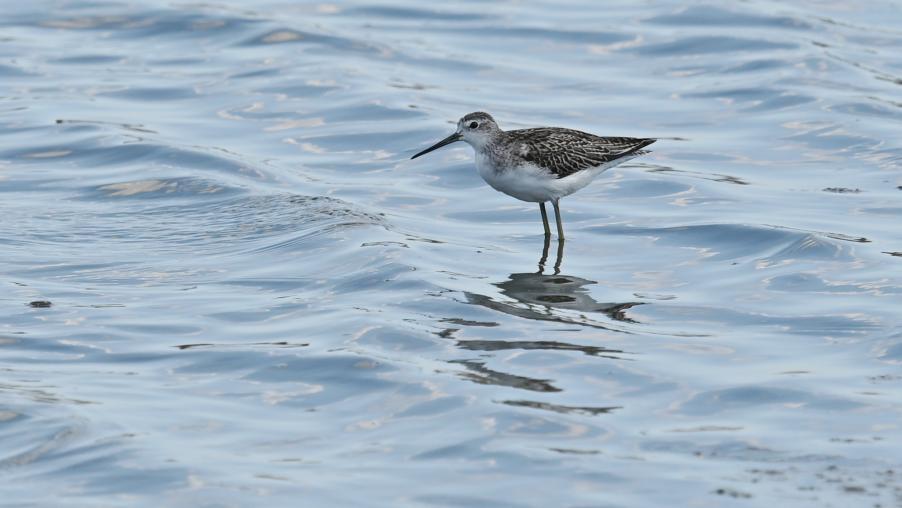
(487, 143)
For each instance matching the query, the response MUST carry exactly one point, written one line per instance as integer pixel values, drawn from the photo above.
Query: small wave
(9, 71)
(172, 23)
(710, 16)
(753, 398)
(384, 11)
(152, 94)
(707, 44)
(164, 187)
(247, 223)
(734, 241)
(292, 36)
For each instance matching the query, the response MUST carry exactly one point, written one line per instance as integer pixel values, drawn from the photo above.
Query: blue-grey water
(224, 283)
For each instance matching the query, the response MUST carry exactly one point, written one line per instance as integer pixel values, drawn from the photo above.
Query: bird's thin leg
(545, 219)
(557, 215)
(544, 255)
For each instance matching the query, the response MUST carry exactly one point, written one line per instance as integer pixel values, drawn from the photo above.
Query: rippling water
(225, 284)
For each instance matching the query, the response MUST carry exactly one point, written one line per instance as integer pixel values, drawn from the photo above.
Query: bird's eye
(473, 125)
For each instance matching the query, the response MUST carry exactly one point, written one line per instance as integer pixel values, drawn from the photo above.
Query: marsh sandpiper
(542, 164)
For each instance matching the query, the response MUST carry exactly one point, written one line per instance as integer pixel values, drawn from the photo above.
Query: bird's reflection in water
(556, 298)
(542, 297)
(544, 258)
(479, 373)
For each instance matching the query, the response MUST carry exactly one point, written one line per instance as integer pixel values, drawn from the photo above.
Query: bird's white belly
(528, 182)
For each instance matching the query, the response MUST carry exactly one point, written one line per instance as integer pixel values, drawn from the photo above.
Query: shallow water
(225, 284)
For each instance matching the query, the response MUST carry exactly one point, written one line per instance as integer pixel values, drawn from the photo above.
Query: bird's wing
(567, 151)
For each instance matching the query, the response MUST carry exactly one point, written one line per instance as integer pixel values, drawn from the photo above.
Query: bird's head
(476, 129)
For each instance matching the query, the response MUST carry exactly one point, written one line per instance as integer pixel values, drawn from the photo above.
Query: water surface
(225, 284)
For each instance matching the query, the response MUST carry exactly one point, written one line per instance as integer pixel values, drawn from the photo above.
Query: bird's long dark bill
(447, 141)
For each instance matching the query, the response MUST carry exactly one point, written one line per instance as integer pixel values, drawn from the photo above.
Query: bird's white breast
(529, 182)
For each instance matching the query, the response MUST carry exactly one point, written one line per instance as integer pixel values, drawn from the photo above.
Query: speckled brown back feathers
(567, 151)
